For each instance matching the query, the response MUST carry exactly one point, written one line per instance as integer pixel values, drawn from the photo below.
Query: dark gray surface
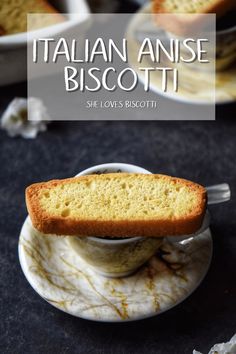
(202, 151)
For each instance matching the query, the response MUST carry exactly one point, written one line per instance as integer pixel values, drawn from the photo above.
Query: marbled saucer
(63, 279)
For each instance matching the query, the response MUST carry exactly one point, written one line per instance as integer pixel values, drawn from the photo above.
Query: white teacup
(114, 257)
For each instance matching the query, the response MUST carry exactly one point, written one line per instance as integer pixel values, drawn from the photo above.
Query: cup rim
(118, 165)
(231, 29)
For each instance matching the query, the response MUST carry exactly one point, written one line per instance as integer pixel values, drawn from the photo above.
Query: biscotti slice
(117, 205)
(13, 15)
(193, 6)
(180, 22)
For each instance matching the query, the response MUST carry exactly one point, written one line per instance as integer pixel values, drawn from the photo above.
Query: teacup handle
(218, 193)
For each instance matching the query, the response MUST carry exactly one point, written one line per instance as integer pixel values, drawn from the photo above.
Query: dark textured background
(202, 151)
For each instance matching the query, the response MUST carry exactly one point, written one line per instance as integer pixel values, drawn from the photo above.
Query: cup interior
(114, 167)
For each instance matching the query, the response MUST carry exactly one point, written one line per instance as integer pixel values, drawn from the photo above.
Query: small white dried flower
(25, 118)
(223, 348)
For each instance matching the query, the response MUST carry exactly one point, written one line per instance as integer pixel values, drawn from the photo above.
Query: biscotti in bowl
(13, 42)
(13, 15)
(187, 16)
(184, 19)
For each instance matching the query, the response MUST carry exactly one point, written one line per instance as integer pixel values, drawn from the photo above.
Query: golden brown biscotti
(117, 205)
(178, 23)
(13, 15)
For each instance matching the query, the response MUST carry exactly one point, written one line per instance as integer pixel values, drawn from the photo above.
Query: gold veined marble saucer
(195, 87)
(64, 280)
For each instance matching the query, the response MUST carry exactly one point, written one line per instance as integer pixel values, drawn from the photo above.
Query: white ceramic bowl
(224, 53)
(13, 48)
(114, 258)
